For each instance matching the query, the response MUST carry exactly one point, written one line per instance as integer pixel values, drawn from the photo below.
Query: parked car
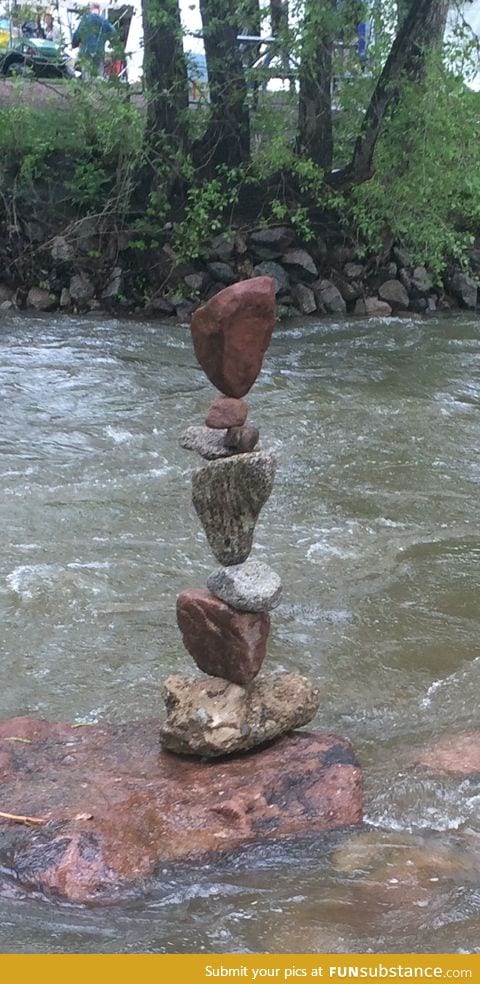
(29, 55)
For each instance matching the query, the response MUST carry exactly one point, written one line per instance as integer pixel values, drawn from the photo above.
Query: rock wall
(99, 270)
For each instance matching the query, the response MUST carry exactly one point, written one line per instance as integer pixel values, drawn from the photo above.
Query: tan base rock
(211, 717)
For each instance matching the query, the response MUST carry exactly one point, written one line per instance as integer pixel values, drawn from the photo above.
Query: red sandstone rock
(148, 807)
(222, 641)
(225, 412)
(457, 754)
(232, 332)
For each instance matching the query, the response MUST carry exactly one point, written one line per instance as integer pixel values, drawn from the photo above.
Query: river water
(374, 529)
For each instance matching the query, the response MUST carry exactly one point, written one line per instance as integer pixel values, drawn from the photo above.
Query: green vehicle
(29, 55)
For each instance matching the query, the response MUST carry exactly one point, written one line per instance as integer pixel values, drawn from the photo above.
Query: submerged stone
(213, 717)
(228, 496)
(457, 754)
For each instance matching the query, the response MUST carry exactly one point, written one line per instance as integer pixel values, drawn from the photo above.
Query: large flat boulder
(116, 805)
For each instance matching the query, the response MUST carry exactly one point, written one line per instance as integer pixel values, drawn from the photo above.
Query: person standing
(90, 37)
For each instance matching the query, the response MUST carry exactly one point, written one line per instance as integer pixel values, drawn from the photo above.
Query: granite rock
(300, 265)
(372, 307)
(41, 299)
(222, 272)
(232, 332)
(213, 717)
(268, 244)
(228, 496)
(248, 587)
(205, 441)
(394, 293)
(280, 276)
(222, 642)
(304, 298)
(329, 297)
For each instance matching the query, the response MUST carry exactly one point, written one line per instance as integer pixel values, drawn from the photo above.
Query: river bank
(91, 266)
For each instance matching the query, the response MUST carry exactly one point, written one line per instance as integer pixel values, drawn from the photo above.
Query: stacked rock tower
(225, 627)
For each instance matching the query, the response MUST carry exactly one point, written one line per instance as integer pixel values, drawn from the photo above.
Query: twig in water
(29, 821)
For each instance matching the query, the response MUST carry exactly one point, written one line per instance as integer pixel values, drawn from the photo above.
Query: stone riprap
(226, 412)
(248, 587)
(232, 332)
(222, 641)
(228, 496)
(213, 717)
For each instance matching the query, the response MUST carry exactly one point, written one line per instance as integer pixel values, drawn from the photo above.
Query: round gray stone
(248, 587)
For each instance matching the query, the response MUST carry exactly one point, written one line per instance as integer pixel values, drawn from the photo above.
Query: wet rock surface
(213, 717)
(222, 641)
(458, 755)
(116, 806)
(228, 496)
(249, 587)
(401, 868)
(232, 332)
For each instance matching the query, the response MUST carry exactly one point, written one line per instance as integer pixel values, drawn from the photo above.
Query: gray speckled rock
(249, 587)
(228, 496)
(206, 442)
(213, 717)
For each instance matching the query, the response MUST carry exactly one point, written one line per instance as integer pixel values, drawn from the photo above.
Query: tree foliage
(385, 144)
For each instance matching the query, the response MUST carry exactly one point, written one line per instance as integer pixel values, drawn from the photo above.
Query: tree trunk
(227, 138)
(422, 30)
(403, 7)
(278, 17)
(315, 98)
(165, 74)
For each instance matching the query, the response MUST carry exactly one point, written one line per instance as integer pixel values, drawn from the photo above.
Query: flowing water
(374, 529)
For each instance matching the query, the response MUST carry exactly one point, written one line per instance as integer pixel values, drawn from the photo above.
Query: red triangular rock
(222, 641)
(232, 332)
